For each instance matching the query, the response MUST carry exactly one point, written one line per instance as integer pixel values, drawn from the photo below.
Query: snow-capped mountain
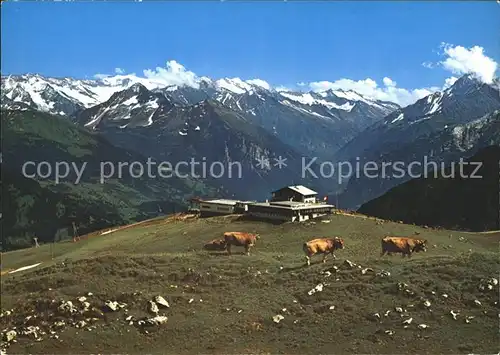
(442, 147)
(466, 100)
(455, 101)
(132, 107)
(441, 128)
(50, 94)
(58, 95)
(317, 123)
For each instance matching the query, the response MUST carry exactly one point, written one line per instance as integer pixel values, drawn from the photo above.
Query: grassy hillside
(221, 304)
(45, 208)
(459, 203)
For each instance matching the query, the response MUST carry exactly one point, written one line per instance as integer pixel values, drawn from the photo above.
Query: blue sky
(280, 42)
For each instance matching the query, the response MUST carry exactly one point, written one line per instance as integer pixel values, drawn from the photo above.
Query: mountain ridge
(462, 202)
(441, 147)
(334, 116)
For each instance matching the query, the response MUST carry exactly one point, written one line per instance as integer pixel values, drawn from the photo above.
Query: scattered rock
(454, 314)
(86, 306)
(383, 273)
(398, 309)
(444, 295)
(487, 284)
(477, 303)
(162, 302)
(332, 307)
(402, 286)
(152, 307)
(278, 318)
(386, 314)
(6, 313)
(349, 264)
(81, 324)
(423, 326)
(59, 324)
(112, 305)
(158, 320)
(10, 336)
(468, 319)
(67, 307)
(318, 288)
(427, 303)
(364, 271)
(408, 321)
(191, 300)
(389, 332)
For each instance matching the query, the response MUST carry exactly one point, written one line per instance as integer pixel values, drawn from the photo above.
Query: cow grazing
(215, 245)
(323, 246)
(240, 239)
(403, 245)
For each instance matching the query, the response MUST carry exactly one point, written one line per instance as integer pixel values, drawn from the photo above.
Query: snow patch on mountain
(95, 121)
(235, 85)
(399, 118)
(434, 102)
(308, 99)
(131, 101)
(309, 112)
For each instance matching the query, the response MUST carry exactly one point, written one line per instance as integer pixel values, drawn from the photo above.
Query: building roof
(291, 205)
(221, 201)
(305, 191)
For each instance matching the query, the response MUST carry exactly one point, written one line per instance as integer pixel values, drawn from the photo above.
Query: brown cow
(323, 246)
(240, 239)
(403, 245)
(216, 244)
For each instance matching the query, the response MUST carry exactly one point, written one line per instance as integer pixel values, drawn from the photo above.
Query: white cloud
(389, 82)
(101, 76)
(259, 82)
(282, 89)
(428, 65)
(449, 82)
(370, 89)
(173, 74)
(457, 59)
(461, 60)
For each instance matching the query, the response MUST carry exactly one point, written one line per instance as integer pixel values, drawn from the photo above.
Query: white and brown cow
(240, 239)
(323, 246)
